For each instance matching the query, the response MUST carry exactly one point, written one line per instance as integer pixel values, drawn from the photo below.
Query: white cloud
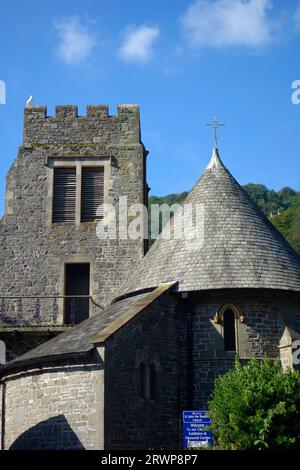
(221, 23)
(76, 42)
(297, 17)
(138, 44)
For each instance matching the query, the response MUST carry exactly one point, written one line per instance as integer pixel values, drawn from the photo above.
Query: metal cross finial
(215, 124)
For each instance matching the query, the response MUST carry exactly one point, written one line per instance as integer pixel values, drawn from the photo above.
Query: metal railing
(28, 310)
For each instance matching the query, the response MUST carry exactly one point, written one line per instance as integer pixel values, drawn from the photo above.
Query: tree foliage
(288, 223)
(170, 200)
(267, 199)
(257, 406)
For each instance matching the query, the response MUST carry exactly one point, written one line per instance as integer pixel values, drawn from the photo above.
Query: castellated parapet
(34, 251)
(97, 127)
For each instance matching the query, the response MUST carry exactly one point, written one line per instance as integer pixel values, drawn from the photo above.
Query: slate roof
(77, 340)
(81, 339)
(241, 248)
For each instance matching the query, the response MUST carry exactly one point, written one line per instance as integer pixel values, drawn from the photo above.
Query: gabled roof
(241, 248)
(81, 339)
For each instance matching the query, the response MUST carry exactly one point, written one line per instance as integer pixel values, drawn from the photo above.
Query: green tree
(267, 199)
(287, 196)
(288, 223)
(170, 199)
(257, 406)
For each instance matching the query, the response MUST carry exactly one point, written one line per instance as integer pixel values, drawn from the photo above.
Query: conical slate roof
(241, 248)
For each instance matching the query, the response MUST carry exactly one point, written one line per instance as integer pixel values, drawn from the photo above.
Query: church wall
(132, 422)
(33, 251)
(55, 407)
(264, 315)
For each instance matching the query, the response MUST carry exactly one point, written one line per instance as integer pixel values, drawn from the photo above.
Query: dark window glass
(153, 381)
(229, 330)
(143, 381)
(77, 283)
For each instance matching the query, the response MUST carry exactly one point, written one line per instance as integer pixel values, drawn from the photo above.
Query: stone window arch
(228, 317)
(229, 330)
(148, 375)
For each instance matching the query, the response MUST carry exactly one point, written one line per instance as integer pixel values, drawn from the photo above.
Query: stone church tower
(121, 379)
(238, 293)
(55, 271)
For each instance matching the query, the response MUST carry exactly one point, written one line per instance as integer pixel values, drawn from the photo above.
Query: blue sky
(182, 61)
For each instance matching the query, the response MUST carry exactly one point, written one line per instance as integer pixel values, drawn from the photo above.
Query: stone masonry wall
(55, 408)
(130, 421)
(266, 313)
(32, 249)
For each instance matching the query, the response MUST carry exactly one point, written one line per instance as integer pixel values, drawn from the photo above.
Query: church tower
(55, 270)
(184, 313)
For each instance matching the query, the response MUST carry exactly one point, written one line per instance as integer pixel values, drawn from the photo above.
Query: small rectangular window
(77, 291)
(64, 195)
(92, 193)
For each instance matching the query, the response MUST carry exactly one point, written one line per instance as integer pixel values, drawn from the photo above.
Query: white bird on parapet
(29, 102)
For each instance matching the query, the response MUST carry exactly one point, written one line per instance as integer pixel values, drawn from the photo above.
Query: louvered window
(92, 193)
(64, 195)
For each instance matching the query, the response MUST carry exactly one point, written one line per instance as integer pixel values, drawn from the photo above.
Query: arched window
(229, 330)
(153, 383)
(148, 381)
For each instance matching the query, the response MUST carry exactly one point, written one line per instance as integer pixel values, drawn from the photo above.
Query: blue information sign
(195, 429)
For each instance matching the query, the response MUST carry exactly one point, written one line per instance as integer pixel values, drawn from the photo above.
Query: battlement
(96, 127)
(100, 111)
